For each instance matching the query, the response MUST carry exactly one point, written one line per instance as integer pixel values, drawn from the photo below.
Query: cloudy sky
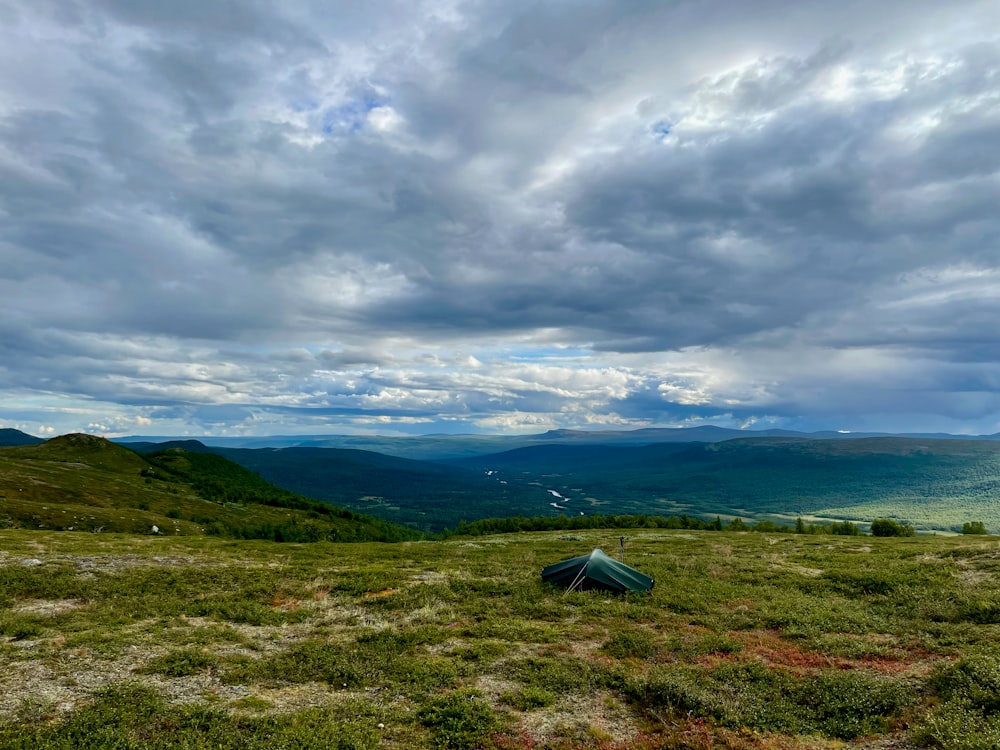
(258, 217)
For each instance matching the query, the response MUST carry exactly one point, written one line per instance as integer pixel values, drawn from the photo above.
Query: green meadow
(748, 640)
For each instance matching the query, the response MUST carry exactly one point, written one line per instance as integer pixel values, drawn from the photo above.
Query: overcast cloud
(259, 217)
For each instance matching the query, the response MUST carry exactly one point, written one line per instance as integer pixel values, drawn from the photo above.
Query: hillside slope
(82, 482)
(422, 494)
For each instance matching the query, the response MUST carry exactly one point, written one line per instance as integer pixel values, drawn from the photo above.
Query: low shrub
(973, 681)
(529, 698)
(313, 660)
(460, 720)
(634, 644)
(559, 675)
(182, 663)
(954, 726)
(837, 704)
(132, 717)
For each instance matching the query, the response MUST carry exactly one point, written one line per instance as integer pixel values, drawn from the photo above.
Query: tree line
(882, 527)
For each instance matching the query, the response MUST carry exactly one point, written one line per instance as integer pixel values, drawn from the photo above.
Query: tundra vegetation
(748, 640)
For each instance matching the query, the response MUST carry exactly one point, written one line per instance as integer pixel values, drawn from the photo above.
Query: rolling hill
(425, 495)
(82, 482)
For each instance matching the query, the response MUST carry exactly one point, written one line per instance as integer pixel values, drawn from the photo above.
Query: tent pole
(577, 580)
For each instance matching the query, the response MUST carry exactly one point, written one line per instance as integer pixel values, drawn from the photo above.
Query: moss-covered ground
(746, 641)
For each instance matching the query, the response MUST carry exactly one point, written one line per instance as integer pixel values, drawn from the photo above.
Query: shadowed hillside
(9, 437)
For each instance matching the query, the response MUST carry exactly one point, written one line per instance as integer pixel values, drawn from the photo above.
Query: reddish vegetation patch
(698, 734)
(768, 647)
(796, 659)
(916, 661)
(524, 741)
(884, 664)
(285, 602)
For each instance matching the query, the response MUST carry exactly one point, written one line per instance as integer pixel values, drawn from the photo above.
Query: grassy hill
(746, 641)
(82, 482)
(421, 494)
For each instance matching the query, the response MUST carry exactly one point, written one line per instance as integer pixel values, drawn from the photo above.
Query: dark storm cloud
(519, 214)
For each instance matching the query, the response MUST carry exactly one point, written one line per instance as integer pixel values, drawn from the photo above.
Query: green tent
(596, 571)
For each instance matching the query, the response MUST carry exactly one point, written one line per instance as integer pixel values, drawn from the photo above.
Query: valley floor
(746, 641)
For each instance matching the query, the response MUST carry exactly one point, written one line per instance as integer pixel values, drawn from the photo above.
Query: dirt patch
(59, 685)
(431, 576)
(806, 571)
(48, 607)
(600, 715)
(969, 573)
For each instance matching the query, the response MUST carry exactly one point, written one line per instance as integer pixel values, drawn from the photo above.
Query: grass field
(747, 640)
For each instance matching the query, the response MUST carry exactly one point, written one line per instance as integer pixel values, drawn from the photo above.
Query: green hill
(82, 482)
(425, 495)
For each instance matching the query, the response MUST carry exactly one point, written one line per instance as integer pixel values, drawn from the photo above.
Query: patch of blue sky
(661, 129)
(550, 353)
(303, 104)
(351, 116)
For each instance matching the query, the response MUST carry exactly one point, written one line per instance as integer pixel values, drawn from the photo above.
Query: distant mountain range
(440, 447)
